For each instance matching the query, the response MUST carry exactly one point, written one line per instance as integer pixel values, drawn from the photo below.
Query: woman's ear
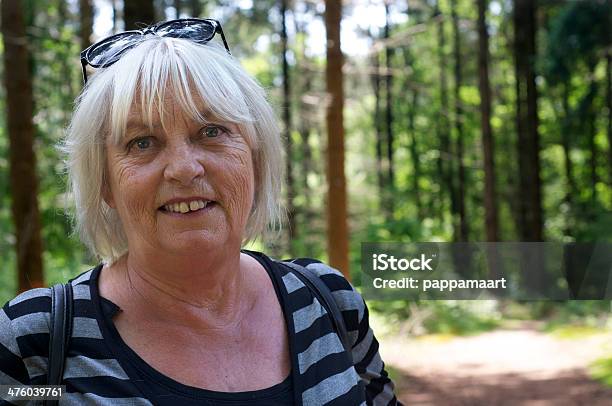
(107, 195)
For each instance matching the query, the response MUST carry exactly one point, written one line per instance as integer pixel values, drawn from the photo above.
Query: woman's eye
(212, 131)
(141, 144)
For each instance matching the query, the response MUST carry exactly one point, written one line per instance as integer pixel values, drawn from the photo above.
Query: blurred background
(464, 120)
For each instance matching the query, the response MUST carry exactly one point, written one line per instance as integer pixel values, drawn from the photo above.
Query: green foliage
(602, 371)
(446, 317)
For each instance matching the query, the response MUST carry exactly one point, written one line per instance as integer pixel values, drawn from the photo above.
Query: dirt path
(519, 366)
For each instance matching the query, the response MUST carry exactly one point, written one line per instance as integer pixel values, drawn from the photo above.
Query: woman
(175, 163)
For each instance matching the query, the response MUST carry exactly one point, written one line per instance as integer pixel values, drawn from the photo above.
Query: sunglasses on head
(106, 52)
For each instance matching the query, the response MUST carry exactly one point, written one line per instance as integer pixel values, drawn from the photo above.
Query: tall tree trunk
(196, 8)
(380, 159)
(609, 104)
(461, 181)
(305, 86)
(445, 167)
(337, 230)
(137, 12)
(490, 196)
(566, 134)
(85, 27)
(177, 8)
(22, 160)
(592, 131)
(531, 219)
(115, 19)
(287, 130)
(389, 116)
(65, 74)
(415, 156)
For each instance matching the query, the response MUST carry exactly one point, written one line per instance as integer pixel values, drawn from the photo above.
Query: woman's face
(181, 188)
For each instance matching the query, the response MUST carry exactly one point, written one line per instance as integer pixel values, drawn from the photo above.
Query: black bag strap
(324, 295)
(59, 333)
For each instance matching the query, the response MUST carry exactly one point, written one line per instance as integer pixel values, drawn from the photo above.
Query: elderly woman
(175, 163)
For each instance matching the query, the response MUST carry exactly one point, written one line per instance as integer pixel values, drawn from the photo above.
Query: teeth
(185, 207)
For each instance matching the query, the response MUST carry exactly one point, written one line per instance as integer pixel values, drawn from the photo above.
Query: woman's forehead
(170, 111)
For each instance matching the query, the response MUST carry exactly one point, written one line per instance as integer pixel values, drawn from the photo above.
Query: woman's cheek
(240, 184)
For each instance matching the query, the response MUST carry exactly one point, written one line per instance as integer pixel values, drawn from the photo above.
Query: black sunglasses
(109, 50)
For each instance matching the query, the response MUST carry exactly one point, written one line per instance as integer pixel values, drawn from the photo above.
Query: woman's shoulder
(29, 312)
(344, 293)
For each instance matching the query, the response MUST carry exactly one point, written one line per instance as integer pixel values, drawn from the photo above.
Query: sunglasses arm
(84, 64)
(223, 38)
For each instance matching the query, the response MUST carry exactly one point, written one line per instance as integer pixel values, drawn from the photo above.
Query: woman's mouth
(187, 208)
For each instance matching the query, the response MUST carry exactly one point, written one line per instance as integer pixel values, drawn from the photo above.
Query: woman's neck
(211, 293)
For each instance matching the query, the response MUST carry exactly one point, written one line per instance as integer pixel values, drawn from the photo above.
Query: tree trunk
(138, 12)
(65, 74)
(445, 167)
(196, 8)
(305, 86)
(415, 156)
(22, 160)
(177, 8)
(461, 185)
(592, 132)
(490, 196)
(380, 159)
(291, 223)
(530, 216)
(337, 230)
(389, 116)
(115, 19)
(86, 23)
(609, 104)
(566, 133)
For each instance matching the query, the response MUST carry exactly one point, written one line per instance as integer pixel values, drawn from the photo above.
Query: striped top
(101, 369)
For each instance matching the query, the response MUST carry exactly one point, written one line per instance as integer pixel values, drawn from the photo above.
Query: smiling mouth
(187, 207)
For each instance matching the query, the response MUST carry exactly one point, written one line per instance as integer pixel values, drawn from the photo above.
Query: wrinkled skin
(148, 168)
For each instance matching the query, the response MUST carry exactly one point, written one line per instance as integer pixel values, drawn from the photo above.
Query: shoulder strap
(324, 295)
(59, 333)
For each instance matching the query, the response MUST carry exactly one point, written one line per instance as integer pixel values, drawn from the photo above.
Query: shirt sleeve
(364, 346)
(24, 339)
(12, 368)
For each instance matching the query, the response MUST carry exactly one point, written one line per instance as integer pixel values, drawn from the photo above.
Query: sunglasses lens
(108, 52)
(197, 31)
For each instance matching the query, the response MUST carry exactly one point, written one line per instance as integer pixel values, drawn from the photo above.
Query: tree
(530, 212)
(86, 24)
(488, 149)
(196, 8)
(337, 230)
(445, 167)
(389, 112)
(380, 159)
(137, 12)
(292, 224)
(461, 181)
(22, 160)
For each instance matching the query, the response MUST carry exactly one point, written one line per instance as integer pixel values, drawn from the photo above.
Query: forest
(403, 121)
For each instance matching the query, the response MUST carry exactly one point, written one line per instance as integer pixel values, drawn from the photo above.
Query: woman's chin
(195, 241)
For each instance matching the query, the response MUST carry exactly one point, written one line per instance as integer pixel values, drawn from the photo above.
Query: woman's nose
(183, 165)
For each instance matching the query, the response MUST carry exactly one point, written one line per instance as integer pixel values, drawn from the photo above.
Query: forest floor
(514, 365)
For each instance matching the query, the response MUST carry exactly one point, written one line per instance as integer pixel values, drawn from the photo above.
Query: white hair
(194, 74)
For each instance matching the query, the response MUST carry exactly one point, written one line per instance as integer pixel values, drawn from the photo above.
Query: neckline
(135, 366)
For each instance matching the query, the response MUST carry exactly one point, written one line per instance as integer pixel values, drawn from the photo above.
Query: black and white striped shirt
(101, 369)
